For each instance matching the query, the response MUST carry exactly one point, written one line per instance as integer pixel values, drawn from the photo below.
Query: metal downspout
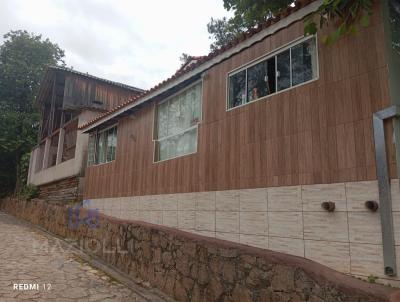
(385, 200)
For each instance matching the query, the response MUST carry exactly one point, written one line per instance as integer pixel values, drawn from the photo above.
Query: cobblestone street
(30, 257)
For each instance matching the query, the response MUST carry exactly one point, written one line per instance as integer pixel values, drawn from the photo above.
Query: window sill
(179, 156)
(101, 164)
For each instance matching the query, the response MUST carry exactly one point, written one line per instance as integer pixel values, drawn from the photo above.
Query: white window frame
(266, 57)
(155, 123)
(97, 133)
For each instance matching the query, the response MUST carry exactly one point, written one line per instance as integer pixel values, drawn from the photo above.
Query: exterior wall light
(372, 205)
(328, 206)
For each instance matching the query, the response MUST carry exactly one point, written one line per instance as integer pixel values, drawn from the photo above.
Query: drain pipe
(385, 205)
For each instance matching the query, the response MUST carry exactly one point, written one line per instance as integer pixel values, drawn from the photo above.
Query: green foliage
(247, 14)
(184, 58)
(23, 58)
(29, 192)
(345, 15)
(24, 167)
(372, 278)
(7, 179)
(223, 31)
(394, 19)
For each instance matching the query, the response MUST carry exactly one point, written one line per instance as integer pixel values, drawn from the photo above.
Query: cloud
(134, 42)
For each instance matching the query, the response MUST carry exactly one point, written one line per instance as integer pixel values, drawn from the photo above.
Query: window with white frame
(287, 68)
(176, 124)
(102, 146)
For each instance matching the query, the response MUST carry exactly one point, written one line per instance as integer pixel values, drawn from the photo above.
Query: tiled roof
(190, 61)
(203, 59)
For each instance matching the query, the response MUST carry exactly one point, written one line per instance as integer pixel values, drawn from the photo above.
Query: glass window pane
(283, 70)
(162, 120)
(257, 81)
(185, 114)
(111, 143)
(237, 89)
(162, 149)
(91, 150)
(182, 144)
(173, 116)
(178, 145)
(101, 147)
(271, 75)
(304, 62)
(190, 138)
(196, 105)
(171, 145)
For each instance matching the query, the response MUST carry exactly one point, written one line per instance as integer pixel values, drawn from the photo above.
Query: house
(276, 140)
(67, 98)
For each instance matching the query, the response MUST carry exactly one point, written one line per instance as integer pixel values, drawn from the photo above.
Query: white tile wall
(284, 219)
(227, 222)
(228, 236)
(365, 227)
(205, 221)
(187, 202)
(170, 218)
(395, 190)
(366, 259)
(285, 199)
(359, 192)
(253, 200)
(254, 240)
(205, 201)
(287, 245)
(186, 220)
(285, 224)
(227, 200)
(326, 226)
(333, 254)
(169, 202)
(254, 223)
(313, 195)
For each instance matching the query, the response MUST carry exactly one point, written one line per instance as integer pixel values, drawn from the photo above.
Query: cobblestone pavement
(28, 256)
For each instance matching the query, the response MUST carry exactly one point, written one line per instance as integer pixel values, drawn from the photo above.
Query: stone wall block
(283, 278)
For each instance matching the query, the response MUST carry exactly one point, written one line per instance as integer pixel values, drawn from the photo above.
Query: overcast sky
(133, 42)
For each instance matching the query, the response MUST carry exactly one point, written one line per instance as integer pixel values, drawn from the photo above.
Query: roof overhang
(283, 23)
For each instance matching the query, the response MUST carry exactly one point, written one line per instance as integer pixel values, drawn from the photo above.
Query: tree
(346, 14)
(223, 31)
(394, 18)
(23, 58)
(184, 58)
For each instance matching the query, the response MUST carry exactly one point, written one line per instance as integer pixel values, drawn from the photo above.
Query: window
(292, 66)
(283, 70)
(102, 146)
(237, 89)
(176, 124)
(261, 80)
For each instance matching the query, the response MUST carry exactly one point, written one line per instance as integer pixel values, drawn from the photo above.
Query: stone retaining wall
(190, 267)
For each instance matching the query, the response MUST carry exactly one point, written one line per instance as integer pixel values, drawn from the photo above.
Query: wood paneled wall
(80, 91)
(320, 132)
